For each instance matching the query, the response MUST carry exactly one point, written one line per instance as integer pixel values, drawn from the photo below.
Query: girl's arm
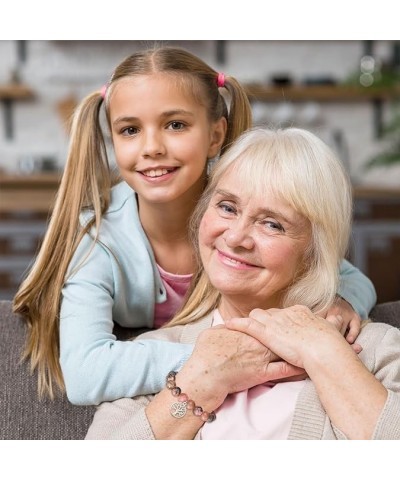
(354, 301)
(95, 365)
(357, 289)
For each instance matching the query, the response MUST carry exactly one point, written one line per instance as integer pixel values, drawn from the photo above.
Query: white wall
(58, 69)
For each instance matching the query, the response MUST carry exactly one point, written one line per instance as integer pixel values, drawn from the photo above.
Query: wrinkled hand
(229, 361)
(348, 321)
(295, 333)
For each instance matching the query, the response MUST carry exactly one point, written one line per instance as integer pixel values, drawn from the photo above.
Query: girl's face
(252, 247)
(162, 138)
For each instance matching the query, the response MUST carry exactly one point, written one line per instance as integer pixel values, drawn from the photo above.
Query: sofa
(24, 417)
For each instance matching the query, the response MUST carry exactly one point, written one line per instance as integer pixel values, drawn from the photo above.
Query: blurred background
(347, 92)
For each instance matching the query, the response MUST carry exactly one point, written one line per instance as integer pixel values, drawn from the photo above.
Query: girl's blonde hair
(300, 169)
(86, 184)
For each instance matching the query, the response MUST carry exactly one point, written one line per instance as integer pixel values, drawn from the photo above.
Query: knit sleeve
(387, 371)
(123, 419)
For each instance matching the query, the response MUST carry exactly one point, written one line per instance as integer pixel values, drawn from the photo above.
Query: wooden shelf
(319, 93)
(15, 92)
(28, 193)
(10, 93)
(37, 180)
(365, 192)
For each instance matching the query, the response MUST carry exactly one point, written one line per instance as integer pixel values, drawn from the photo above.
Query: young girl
(118, 250)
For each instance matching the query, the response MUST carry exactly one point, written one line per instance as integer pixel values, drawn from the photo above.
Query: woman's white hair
(299, 168)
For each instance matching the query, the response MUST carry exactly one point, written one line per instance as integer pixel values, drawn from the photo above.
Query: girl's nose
(153, 145)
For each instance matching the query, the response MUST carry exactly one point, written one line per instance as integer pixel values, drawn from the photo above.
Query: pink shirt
(264, 412)
(176, 287)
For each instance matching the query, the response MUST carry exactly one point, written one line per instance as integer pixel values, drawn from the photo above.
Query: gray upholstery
(23, 416)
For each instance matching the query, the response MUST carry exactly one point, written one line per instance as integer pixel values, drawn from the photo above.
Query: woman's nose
(153, 144)
(239, 235)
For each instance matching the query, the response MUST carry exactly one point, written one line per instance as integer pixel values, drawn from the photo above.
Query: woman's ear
(218, 134)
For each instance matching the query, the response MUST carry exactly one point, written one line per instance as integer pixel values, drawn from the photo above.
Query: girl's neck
(168, 221)
(165, 222)
(166, 227)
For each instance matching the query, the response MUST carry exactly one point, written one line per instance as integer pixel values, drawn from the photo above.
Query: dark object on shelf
(319, 80)
(281, 79)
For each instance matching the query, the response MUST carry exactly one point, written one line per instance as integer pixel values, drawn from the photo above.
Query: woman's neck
(230, 308)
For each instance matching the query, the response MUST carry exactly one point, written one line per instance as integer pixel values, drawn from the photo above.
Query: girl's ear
(218, 134)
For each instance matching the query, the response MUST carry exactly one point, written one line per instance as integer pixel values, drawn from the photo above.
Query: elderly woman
(271, 230)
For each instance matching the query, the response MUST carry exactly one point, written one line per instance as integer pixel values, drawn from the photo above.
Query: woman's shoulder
(378, 340)
(179, 333)
(374, 329)
(372, 333)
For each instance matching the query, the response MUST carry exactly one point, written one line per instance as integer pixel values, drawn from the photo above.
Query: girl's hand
(348, 321)
(295, 334)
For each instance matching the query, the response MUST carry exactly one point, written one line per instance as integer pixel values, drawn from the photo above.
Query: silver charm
(178, 409)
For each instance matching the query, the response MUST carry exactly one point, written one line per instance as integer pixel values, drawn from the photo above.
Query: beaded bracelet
(178, 409)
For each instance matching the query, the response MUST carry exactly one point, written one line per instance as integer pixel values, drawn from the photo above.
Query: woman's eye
(129, 131)
(274, 226)
(176, 126)
(226, 208)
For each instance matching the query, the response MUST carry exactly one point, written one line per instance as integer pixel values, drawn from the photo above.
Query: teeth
(235, 262)
(156, 173)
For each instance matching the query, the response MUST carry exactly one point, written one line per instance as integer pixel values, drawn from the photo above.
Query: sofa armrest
(388, 312)
(22, 415)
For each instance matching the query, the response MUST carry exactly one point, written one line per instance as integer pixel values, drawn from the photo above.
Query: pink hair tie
(221, 80)
(103, 91)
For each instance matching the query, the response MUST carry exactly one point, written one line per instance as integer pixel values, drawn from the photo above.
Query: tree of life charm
(178, 409)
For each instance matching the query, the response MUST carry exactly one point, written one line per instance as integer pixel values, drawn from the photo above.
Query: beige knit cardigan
(126, 419)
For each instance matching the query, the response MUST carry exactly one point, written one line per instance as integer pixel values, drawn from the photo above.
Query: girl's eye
(129, 131)
(176, 126)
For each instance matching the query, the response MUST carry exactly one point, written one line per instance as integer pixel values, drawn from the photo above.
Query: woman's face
(252, 247)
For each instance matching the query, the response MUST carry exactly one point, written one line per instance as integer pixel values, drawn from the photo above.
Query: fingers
(337, 322)
(247, 325)
(354, 329)
(282, 370)
(357, 348)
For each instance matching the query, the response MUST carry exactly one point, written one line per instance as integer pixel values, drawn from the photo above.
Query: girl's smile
(162, 138)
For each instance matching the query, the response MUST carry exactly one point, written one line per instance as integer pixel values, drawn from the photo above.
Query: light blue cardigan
(119, 282)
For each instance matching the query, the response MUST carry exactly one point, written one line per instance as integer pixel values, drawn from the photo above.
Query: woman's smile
(235, 262)
(251, 245)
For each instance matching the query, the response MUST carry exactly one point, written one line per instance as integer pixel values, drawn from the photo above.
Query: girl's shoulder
(120, 194)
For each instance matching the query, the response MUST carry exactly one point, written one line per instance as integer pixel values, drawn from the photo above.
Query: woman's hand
(228, 361)
(293, 333)
(223, 361)
(347, 319)
(341, 380)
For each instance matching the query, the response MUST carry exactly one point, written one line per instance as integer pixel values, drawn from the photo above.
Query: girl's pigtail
(85, 184)
(240, 113)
